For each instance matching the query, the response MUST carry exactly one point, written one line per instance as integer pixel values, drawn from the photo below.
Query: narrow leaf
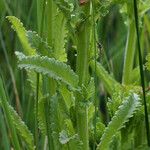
(21, 32)
(16, 122)
(106, 78)
(125, 111)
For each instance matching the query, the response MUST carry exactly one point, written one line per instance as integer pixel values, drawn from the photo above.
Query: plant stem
(141, 72)
(130, 46)
(36, 111)
(50, 22)
(95, 73)
(82, 71)
(48, 83)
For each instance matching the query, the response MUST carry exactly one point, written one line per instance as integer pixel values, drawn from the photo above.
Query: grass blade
(141, 71)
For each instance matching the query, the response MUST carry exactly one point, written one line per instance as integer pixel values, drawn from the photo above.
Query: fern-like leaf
(21, 32)
(50, 67)
(125, 111)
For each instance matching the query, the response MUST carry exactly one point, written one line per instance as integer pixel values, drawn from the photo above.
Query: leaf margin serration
(105, 140)
(63, 73)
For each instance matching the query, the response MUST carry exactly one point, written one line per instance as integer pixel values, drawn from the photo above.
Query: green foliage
(50, 67)
(148, 62)
(41, 115)
(73, 142)
(122, 115)
(60, 57)
(103, 75)
(15, 121)
(55, 24)
(21, 128)
(37, 43)
(21, 32)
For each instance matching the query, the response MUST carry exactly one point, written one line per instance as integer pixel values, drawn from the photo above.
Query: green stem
(48, 83)
(50, 22)
(40, 18)
(82, 71)
(95, 72)
(130, 46)
(36, 111)
(48, 87)
(51, 83)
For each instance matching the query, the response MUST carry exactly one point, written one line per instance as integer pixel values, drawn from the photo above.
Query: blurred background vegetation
(112, 32)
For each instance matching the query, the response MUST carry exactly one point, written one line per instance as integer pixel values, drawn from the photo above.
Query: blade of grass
(141, 71)
(18, 105)
(5, 140)
(7, 7)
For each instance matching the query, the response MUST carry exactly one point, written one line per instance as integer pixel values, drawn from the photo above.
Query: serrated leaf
(39, 44)
(16, 122)
(125, 111)
(21, 32)
(22, 129)
(67, 96)
(56, 31)
(50, 67)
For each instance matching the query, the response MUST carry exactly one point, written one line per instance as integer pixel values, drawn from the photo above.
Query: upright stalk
(82, 71)
(95, 71)
(130, 45)
(49, 85)
(36, 111)
(40, 19)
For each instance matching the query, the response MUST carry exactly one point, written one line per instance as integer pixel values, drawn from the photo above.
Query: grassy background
(112, 33)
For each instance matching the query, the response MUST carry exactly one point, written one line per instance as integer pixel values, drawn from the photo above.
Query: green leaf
(4, 104)
(125, 111)
(50, 67)
(41, 115)
(56, 31)
(16, 122)
(106, 78)
(21, 128)
(39, 44)
(21, 32)
(63, 137)
(56, 120)
(148, 62)
(72, 141)
(67, 96)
